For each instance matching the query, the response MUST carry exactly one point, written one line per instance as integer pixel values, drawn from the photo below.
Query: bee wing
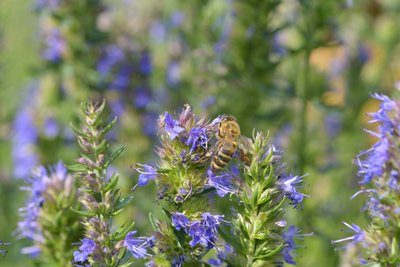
(245, 145)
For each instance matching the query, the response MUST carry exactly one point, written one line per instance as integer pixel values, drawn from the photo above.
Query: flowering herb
(378, 169)
(254, 180)
(99, 194)
(183, 190)
(52, 193)
(256, 229)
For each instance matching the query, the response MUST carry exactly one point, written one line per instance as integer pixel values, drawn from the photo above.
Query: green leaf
(166, 212)
(114, 156)
(123, 202)
(77, 130)
(76, 167)
(123, 231)
(108, 127)
(230, 238)
(112, 183)
(152, 221)
(84, 213)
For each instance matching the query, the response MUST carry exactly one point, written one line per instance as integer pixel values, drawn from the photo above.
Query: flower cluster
(51, 193)
(183, 189)
(202, 231)
(253, 177)
(99, 194)
(378, 168)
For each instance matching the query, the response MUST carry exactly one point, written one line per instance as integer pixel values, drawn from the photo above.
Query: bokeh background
(303, 70)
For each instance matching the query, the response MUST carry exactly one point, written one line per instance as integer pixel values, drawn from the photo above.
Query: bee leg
(205, 157)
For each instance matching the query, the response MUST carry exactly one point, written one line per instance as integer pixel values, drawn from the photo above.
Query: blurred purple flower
(46, 4)
(177, 19)
(24, 138)
(112, 55)
(145, 64)
(142, 97)
(55, 46)
(333, 124)
(122, 78)
(51, 127)
(158, 31)
(208, 102)
(173, 73)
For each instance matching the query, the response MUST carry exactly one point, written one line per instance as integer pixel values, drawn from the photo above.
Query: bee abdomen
(223, 157)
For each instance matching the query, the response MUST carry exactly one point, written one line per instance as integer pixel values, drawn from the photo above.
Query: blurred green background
(302, 70)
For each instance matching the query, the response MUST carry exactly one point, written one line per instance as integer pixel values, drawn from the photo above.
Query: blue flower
(290, 245)
(138, 246)
(177, 261)
(87, 247)
(28, 226)
(197, 232)
(374, 165)
(358, 236)
(287, 183)
(222, 183)
(172, 126)
(146, 173)
(197, 137)
(205, 231)
(180, 221)
(222, 255)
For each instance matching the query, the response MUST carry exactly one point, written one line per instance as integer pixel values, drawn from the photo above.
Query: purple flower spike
(172, 126)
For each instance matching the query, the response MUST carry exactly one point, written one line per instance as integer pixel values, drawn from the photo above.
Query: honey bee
(228, 138)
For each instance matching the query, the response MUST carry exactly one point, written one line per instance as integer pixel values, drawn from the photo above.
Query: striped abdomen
(223, 155)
